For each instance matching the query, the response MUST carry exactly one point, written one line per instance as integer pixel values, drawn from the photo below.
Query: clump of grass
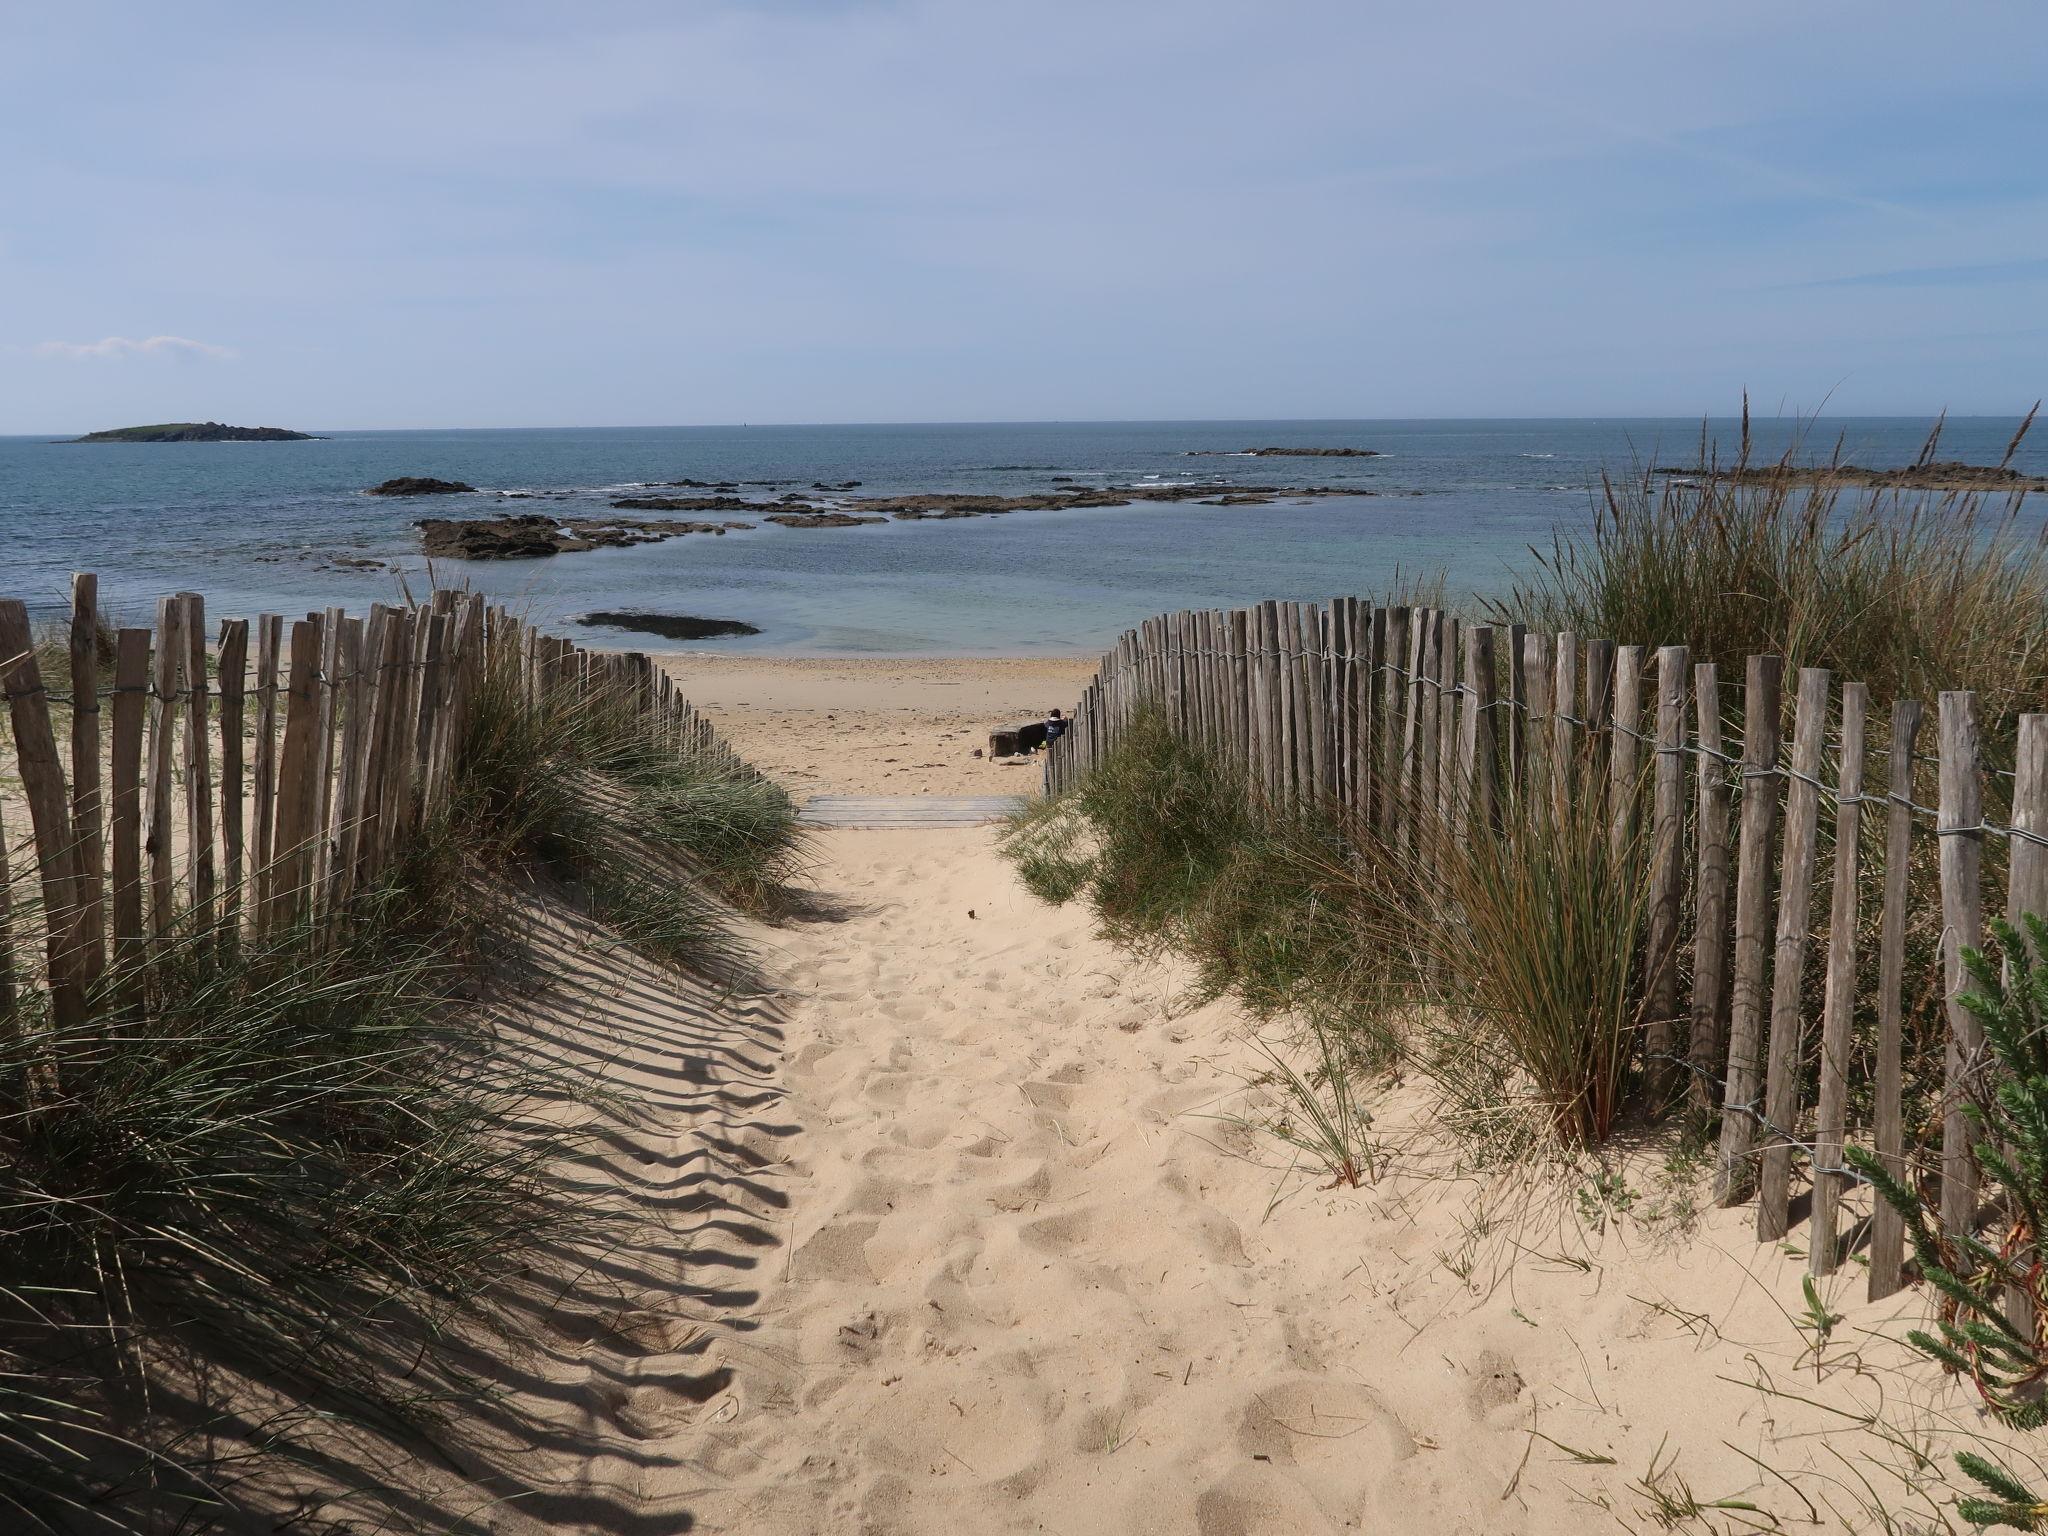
(572, 780)
(667, 919)
(740, 832)
(1167, 823)
(1047, 841)
(1322, 1115)
(1533, 943)
(1174, 850)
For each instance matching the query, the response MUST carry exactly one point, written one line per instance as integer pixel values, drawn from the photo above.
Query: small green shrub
(2012, 1502)
(1975, 1337)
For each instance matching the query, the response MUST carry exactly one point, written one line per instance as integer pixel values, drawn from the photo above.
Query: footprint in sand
(1308, 1421)
(1064, 1234)
(835, 1252)
(951, 1414)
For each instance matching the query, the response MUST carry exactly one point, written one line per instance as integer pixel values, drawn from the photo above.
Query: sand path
(880, 725)
(1031, 1282)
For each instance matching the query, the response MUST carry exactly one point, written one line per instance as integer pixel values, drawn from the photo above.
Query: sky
(500, 213)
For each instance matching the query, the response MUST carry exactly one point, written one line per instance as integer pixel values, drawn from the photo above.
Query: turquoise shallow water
(257, 526)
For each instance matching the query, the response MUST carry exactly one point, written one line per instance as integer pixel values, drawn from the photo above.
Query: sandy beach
(880, 725)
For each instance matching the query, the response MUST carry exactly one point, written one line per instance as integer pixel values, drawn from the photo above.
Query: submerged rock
(670, 626)
(820, 520)
(1283, 453)
(685, 504)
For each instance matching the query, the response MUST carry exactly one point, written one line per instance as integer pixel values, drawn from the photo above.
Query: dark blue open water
(255, 526)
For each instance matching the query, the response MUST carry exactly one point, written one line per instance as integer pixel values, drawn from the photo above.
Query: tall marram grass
(1909, 592)
(299, 1160)
(1534, 940)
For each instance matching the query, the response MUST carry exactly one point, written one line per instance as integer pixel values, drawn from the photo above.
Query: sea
(285, 527)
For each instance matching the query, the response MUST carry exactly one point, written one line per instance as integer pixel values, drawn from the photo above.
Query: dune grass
(1506, 970)
(300, 1160)
(307, 1160)
(1909, 592)
(574, 781)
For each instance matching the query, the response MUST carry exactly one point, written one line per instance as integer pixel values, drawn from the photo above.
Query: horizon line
(1095, 421)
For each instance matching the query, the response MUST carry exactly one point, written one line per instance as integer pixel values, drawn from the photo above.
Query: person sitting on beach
(1055, 728)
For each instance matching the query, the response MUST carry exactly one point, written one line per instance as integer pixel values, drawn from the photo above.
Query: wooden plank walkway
(907, 810)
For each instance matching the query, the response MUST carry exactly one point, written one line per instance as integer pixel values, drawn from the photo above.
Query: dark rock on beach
(670, 626)
(419, 485)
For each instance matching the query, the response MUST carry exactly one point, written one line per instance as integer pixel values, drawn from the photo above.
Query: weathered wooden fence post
(1839, 1010)
(88, 811)
(1887, 1227)
(1710, 896)
(1962, 901)
(1667, 869)
(1788, 962)
(1760, 779)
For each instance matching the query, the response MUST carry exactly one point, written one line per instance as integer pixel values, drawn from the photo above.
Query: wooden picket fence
(1391, 713)
(334, 751)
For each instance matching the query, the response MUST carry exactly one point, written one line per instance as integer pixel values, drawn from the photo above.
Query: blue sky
(508, 213)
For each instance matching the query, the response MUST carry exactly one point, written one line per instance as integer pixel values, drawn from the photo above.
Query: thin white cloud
(129, 346)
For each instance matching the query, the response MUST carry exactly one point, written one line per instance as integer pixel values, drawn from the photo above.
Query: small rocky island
(1947, 475)
(419, 485)
(1283, 453)
(196, 432)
